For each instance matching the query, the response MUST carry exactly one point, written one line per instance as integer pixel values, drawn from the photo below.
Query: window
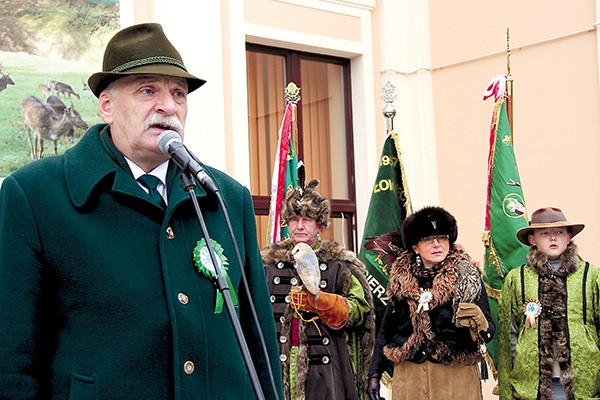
(324, 139)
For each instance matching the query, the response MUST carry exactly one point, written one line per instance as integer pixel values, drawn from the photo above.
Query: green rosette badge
(205, 266)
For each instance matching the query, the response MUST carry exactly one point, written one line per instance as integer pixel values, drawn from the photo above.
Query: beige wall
(440, 55)
(554, 65)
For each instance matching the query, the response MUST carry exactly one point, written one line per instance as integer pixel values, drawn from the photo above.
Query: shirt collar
(160, 172)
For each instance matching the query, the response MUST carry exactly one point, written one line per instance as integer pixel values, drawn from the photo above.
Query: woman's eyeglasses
(428, 240)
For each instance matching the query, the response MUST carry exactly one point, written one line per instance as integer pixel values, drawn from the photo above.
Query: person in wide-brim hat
(547, 309)
(548, 217)
(138, 50)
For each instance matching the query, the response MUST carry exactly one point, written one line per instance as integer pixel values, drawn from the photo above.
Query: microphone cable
(245, 282)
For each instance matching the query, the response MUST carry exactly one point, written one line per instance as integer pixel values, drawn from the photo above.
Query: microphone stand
(221, 283)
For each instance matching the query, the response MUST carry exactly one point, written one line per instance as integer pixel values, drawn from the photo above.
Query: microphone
(169, 142)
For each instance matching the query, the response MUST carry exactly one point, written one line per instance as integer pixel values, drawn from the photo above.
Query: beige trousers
(431, 381)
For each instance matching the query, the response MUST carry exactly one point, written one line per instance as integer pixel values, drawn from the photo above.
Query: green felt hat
(139, 50)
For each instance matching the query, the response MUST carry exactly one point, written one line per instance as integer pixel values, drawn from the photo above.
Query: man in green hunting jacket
(104, 294)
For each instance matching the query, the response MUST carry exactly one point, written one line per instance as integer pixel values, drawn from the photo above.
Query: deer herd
(50, 119)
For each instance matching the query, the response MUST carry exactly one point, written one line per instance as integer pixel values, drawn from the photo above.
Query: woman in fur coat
(437, 320)
(549, 317)
(322, 305)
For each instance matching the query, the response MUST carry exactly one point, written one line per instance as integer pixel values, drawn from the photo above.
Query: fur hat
(548, 217)
(428, 221)
(308, 203)
(141, 49)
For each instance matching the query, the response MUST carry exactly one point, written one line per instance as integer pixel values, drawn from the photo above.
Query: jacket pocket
(82, 387)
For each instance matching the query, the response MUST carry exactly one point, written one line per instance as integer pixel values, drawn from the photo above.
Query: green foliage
(62, 28)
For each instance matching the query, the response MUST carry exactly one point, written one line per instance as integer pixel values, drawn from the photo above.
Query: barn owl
(307, 266)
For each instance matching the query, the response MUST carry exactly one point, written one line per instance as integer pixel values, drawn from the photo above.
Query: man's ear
(105, 107)
(531, 239)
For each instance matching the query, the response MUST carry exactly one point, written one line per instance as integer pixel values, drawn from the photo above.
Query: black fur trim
(428, 221)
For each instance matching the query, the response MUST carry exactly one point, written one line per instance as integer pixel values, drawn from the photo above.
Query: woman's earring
(418, 260)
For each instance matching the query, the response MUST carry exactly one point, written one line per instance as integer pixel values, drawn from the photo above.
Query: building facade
(439, 56)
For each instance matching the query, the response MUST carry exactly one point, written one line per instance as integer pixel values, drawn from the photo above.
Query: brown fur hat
(308, 203)
(428, 221)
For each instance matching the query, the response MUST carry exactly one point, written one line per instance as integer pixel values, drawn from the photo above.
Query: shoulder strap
(523, 284)
(583, 291)
(522, 276)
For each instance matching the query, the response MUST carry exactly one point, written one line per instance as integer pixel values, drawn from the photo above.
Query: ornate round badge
(424, 299)
(532, 309)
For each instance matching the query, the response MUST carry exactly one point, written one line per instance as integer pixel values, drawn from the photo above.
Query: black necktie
(150, 182)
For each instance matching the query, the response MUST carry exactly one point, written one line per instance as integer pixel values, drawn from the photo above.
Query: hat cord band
(149, 60)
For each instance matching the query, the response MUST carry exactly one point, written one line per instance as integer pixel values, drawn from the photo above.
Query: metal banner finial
(508, 52)
(388, 95)
(388, 92)
(292, 93)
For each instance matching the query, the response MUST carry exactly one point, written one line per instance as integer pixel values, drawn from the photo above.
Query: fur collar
(404, 284)
(329, 250)
(552, 325)
(569, 260)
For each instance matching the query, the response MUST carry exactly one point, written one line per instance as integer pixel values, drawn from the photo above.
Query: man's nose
(166, 104)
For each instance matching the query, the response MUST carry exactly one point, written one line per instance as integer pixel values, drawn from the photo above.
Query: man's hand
(331, 308)
(373, 387)
(299, 300)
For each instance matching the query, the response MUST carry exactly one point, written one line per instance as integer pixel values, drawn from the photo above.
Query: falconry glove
(331, 308)
(299, 299)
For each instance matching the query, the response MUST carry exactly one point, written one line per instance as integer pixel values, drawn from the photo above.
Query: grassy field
(28, 72)
(40, 41)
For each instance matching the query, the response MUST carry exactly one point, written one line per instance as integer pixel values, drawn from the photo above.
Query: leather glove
(469, 315)
(373, 387)
(299, 300)
(332, 308)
